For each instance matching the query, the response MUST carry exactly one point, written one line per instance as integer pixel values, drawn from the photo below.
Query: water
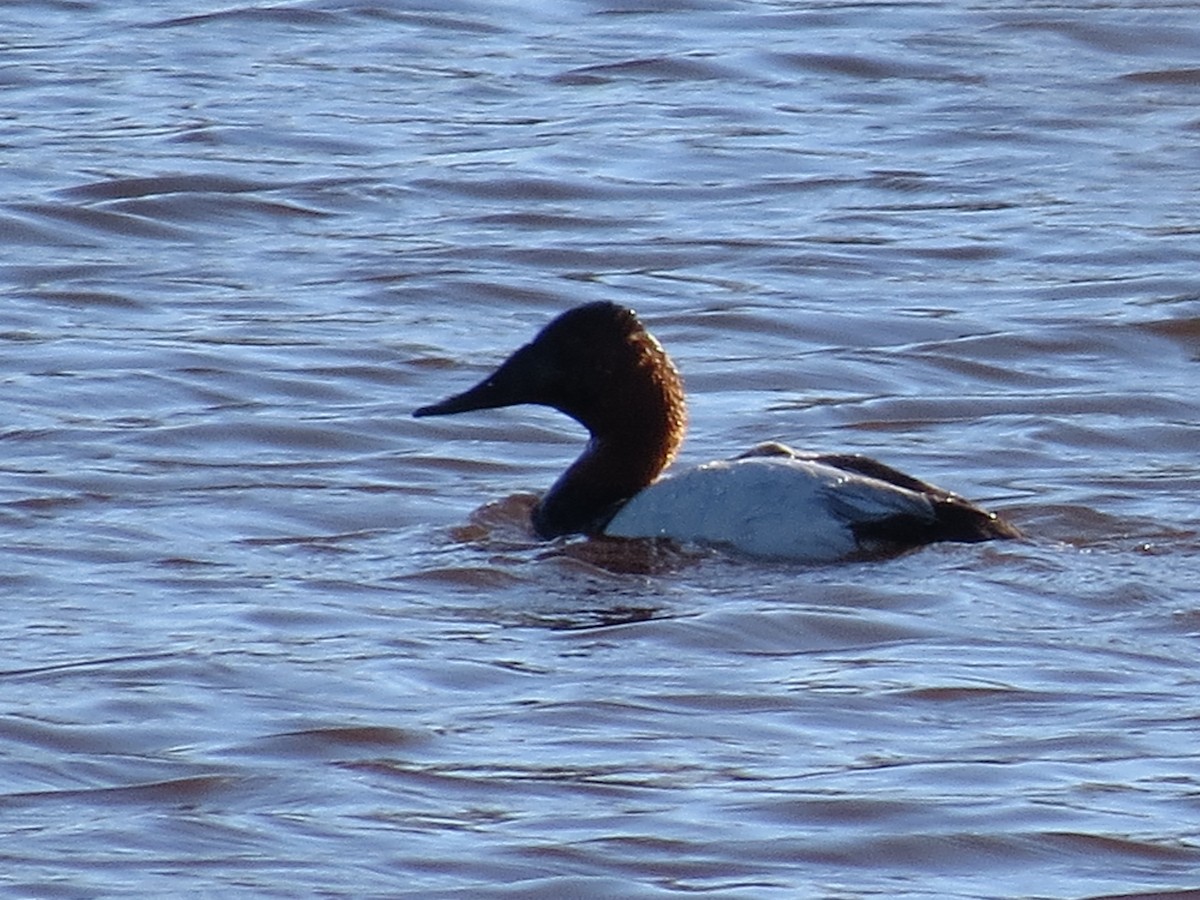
(266, 635)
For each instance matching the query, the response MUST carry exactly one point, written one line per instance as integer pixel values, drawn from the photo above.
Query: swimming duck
(599, 365)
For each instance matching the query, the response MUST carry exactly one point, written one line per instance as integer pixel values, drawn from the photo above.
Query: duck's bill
(488, 394)
(514, 382)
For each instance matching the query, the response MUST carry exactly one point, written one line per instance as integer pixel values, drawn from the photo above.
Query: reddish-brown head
(597, 364)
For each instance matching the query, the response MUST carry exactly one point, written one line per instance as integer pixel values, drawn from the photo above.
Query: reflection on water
(264, 632)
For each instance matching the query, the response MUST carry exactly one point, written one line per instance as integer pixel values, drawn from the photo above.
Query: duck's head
(597, 364)
(600, 366)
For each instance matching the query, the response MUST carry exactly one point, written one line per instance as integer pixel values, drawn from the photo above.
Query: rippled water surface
(264, 634)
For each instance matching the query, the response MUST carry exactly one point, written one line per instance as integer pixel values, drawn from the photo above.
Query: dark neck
(596, 485)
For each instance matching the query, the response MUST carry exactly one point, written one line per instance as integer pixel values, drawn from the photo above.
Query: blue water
(267, 635)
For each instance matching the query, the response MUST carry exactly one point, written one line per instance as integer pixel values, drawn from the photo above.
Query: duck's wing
(775, 502)
(772, 505)
(954, 518)
(848, 462)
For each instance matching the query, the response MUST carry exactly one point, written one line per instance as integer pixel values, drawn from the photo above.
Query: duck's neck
(623, 456)
(596, 485)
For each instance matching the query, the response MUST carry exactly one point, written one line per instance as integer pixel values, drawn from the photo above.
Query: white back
(770, 506)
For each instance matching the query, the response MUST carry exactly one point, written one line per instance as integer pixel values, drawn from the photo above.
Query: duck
(599, 365)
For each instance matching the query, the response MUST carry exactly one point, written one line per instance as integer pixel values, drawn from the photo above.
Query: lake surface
(264, 634)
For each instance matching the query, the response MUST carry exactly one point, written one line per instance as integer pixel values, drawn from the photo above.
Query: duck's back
(771, 506)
